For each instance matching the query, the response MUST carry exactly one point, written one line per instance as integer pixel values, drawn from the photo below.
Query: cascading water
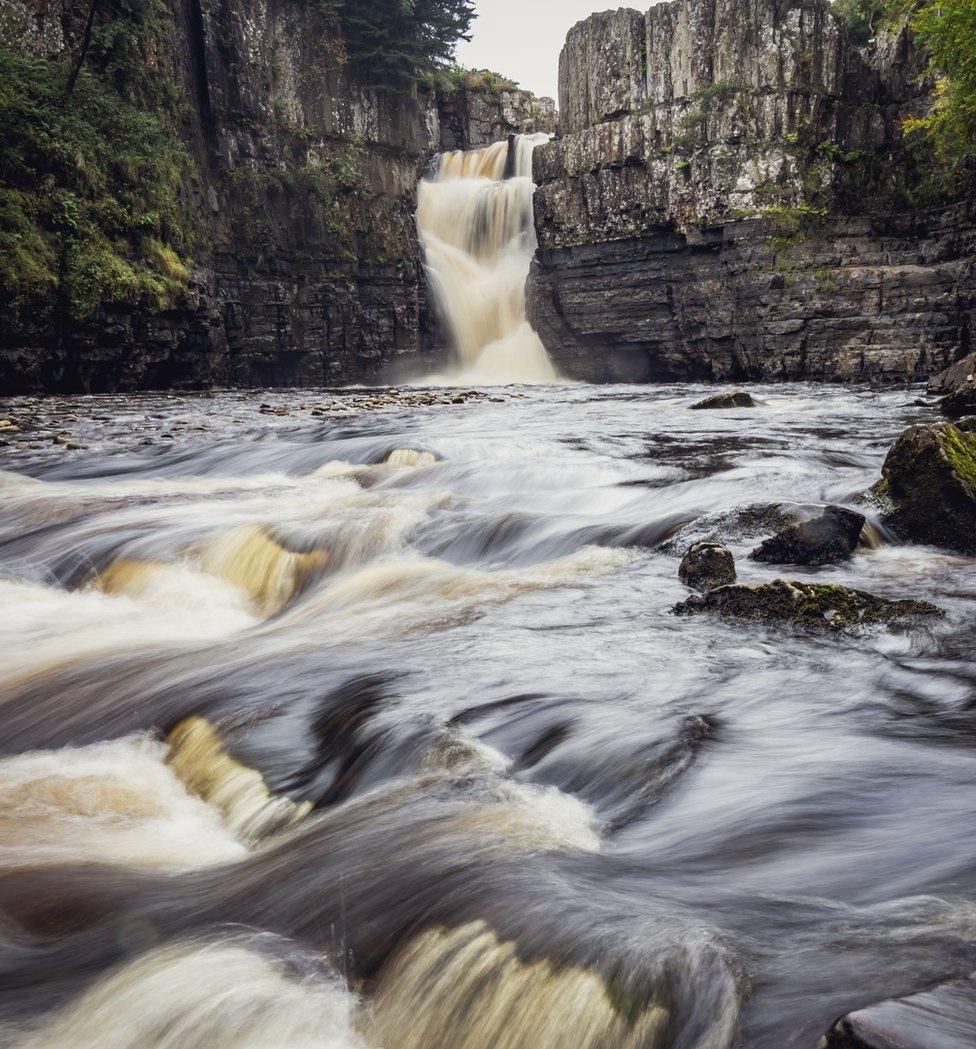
(474, 216)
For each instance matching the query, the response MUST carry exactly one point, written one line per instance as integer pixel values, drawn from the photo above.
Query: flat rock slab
(824, 606)
(943, 1018)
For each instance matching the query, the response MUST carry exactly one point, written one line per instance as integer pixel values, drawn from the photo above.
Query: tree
(394, 42)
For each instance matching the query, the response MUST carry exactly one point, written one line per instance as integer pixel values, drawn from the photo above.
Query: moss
(960, 449)
(823, 606)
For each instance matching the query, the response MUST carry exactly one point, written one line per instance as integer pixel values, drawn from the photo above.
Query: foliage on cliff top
(947, 30)
(453, 79)
(395, 42)
(89, 178)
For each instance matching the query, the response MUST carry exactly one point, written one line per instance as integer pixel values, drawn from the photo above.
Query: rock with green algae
(826, 606)
(928, 487)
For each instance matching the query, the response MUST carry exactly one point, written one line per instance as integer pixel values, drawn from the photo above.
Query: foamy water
(378, 730)
(474, 216)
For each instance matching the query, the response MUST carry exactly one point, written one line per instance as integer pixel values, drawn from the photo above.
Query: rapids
(375, 730)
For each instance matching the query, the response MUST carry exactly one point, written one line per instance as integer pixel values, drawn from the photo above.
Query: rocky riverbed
(389, 683)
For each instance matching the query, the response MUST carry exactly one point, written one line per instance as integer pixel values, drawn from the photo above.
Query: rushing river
(373, 728)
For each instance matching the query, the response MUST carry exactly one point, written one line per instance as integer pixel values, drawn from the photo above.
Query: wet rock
(821, 606)
(944, 1017)
(962, 371)
(743, 522)
(736, 399)
(928, 487)
(960, 400)
(706, 566)
(826, 539)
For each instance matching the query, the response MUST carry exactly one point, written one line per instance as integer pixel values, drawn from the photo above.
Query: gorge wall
(305, 265)
(729, 196)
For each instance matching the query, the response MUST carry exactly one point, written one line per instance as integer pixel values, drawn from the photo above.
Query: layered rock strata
(727, 199)
(306, 267)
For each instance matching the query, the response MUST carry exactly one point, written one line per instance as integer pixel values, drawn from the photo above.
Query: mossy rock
(928, 489)
(736, 399)
(823, 606)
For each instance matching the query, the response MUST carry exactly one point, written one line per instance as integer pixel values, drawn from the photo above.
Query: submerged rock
(928, 487)
(736, 399)
(822, 540)
(944, 1017)
(826, 606)
(706, 566)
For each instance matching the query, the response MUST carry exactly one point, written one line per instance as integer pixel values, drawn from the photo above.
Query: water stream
(374, 728)
(474, 216)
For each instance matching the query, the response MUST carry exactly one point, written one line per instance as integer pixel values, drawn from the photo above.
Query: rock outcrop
(826, 539)
(306, 266)
(822, 606)
(725, 200)
(928, 487)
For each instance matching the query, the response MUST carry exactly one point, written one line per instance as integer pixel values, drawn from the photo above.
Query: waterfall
(474, 216)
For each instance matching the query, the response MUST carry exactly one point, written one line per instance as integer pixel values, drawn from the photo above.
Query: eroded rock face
(826, 539)
(817, 605)
(704, 215)
(706, 566)
(928, 487)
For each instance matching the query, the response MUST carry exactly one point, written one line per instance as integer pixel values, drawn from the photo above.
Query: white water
(478, 236)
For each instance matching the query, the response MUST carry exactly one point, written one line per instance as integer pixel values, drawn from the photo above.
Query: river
(373, 726)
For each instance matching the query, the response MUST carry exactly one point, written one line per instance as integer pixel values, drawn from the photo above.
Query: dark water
(508, 799)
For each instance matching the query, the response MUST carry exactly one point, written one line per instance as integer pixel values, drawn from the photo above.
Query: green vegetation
(394, 42)
(453, 79)
(91, 166)
(861, 17)
(947, 29)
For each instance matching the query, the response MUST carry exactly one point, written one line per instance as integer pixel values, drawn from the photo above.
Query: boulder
(962, 371)
(944, 1016)
(706, 566)
(736, 399)
(928, 487)
(754, 521)
(818, 605)
(960, 400)
(823, 540)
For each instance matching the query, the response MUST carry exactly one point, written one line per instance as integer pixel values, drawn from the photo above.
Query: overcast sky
(522, 38)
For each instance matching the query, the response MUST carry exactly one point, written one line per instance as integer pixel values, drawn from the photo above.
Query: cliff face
(727, 199)
(306, 265)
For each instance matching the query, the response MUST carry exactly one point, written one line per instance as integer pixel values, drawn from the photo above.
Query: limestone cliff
(729, 197)
(305, 262)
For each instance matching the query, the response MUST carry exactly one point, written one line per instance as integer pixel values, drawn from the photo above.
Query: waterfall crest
(474, 216)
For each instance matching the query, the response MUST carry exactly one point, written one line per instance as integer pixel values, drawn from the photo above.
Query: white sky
(521, 39)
